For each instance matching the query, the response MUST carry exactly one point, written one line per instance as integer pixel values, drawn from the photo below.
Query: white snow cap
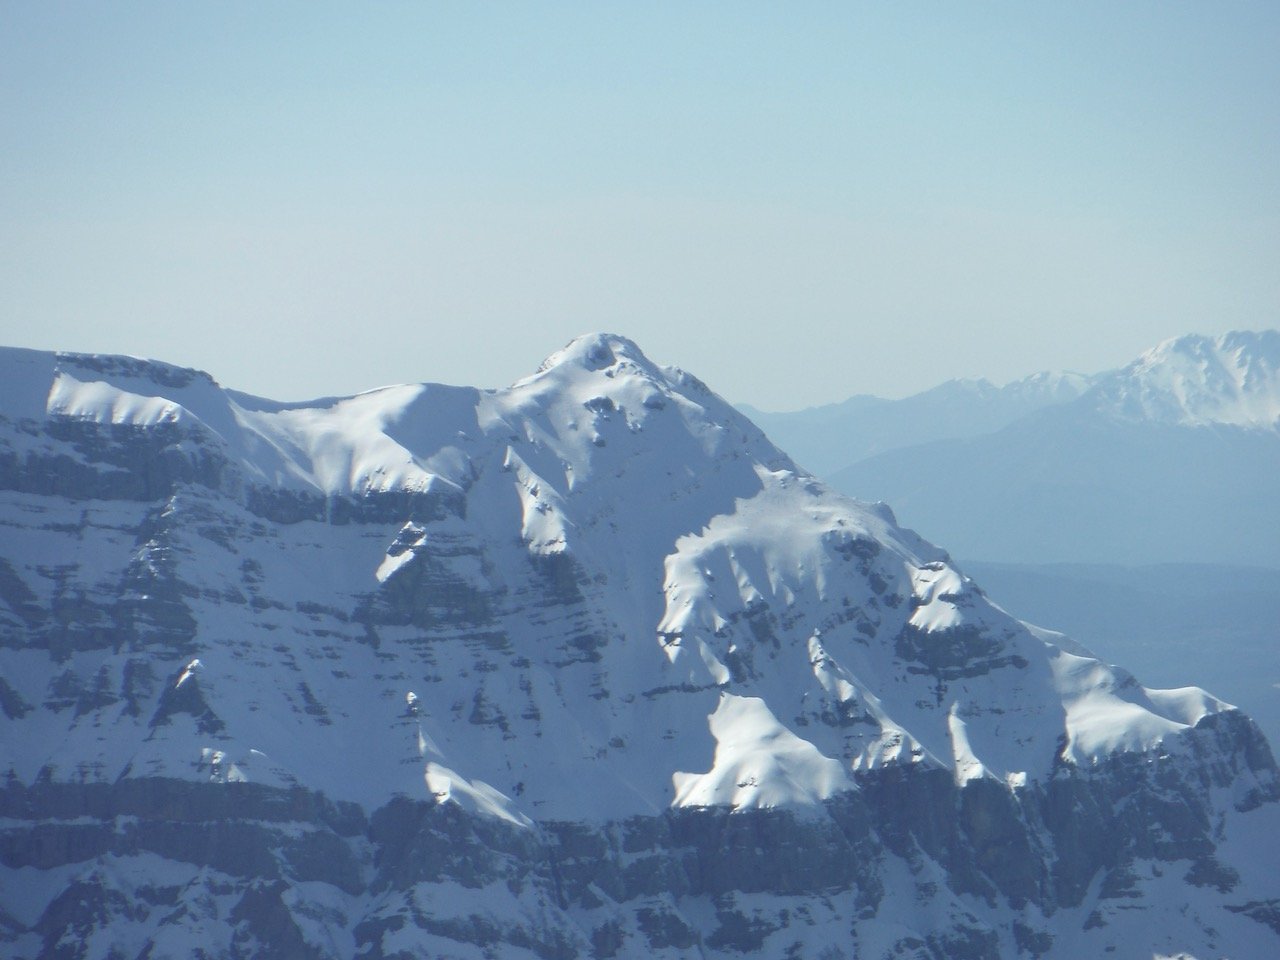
(1193, 380)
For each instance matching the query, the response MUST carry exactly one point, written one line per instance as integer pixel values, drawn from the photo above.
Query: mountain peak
(1196, 380)
(1244, 344)
(558, 631)
(597, 351)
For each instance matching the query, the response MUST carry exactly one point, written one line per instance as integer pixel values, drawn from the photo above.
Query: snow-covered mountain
(1173, 458)
(1197, 381)
(584, 667)
(825, 439)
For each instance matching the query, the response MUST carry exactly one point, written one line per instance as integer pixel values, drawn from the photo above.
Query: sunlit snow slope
(731, 602)
(596, 594)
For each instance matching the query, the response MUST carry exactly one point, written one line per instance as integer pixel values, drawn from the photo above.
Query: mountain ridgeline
(581, 668)
(1173, 458)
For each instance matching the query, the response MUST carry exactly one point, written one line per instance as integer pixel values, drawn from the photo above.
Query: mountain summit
(1194, 380)
(583, 667)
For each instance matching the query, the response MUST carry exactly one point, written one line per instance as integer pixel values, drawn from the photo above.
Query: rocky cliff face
(581, 668)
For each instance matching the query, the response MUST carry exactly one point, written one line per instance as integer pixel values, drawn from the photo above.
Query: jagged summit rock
(585, 666)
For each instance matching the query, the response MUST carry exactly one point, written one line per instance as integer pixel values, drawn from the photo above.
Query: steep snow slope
(411, 647)
(1168, 623)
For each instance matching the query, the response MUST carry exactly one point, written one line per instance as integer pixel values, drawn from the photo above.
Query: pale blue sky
(797, 202)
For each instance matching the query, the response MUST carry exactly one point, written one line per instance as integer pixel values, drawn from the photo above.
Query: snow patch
(967, 766)
(475, 796)
(189, 672)
(758, 763)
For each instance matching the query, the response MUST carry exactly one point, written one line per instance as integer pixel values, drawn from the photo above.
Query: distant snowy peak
(1195, 380)
(1049, 386)
(1046, 388)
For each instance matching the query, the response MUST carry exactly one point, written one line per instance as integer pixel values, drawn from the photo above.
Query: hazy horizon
(797, 208)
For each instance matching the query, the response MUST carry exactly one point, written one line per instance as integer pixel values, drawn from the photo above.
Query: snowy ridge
(1195, 380)
(1049, 386)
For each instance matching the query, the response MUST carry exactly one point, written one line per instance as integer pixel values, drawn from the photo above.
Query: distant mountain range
(1172, 458)
(828, 438)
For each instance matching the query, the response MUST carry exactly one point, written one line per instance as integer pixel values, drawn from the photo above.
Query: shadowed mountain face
(585, 667)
